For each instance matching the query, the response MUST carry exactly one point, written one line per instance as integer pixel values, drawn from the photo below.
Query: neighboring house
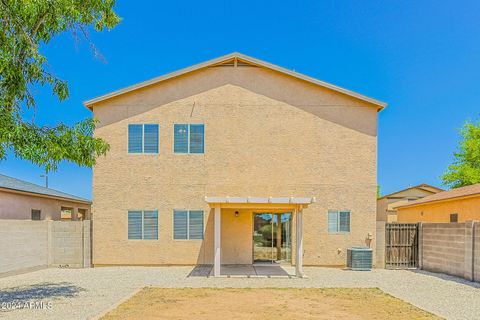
(387, 205)
(456, 205)
(23, 200)
(234, 161)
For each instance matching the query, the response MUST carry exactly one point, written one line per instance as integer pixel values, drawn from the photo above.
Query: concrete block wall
(451, 248)
(23, 245)
(29, 245)
(443, 248)
(67, 244)
(476, 252)
(380, 247)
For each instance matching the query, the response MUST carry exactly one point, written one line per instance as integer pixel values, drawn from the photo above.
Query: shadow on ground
(40, 291)
(247, 271)
(447, 277)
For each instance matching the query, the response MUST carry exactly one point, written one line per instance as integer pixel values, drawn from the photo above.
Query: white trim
(239, 56)
(142, 211)
(188, 138)
(338, 221)
(275, 200)
(217, 241)
(299, 244)
(143, 139)
(188, 225)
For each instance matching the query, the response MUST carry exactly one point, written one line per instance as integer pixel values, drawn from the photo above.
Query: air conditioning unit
(359, 258)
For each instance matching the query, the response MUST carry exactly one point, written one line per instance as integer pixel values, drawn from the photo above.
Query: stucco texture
(466, 208)
(19, 206)
(266, 134)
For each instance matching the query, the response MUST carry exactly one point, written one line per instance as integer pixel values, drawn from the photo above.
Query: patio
(246, 271)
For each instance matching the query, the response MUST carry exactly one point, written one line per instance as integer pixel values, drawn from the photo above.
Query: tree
(25, 25)
(465, 169)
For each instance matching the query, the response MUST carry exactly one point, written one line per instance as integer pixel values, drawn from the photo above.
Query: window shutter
(180, 136)
(197, 138)
(344, 225)
(180, 225)
(196, 225)
(151, 138)
(150, 225)
(332, 221)
(135, 225)
(135, 138)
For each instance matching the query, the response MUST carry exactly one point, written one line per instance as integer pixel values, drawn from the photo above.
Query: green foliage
(465, 169)
(24, 26)
(379, 195)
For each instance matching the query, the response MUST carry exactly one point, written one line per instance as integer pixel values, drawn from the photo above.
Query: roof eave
(43, 195)
(440, 200)
(89, 103)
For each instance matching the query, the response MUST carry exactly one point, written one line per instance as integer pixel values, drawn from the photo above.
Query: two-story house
(234, 161)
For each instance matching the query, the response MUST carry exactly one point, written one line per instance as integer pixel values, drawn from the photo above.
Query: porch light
(236, 214)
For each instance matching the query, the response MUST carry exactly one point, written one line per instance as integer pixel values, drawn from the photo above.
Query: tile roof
(449, 194)
(7, 182)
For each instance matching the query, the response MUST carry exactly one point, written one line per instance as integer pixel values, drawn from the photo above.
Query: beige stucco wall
(19, 206)
(386, 206)
(266, 134)
(467, 209)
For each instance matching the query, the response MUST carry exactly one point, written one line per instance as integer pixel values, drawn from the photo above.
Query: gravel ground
(85, 293)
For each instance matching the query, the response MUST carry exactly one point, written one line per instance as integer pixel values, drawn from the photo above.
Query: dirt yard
(205, 303)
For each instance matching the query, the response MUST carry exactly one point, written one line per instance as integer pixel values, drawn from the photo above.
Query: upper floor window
(142, 224)
(338, 221)
(189, 138)
(143, 138)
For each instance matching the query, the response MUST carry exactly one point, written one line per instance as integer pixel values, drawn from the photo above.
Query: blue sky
(422, 57)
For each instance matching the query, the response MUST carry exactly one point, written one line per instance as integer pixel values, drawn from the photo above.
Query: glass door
(272, 237)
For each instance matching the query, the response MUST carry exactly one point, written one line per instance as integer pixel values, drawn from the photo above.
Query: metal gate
(401, 245)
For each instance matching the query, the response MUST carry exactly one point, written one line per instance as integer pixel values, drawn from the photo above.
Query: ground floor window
(36, 214)
(143, 224)
(187, 224)
(338, 221)
(66, 213)
(454, 217)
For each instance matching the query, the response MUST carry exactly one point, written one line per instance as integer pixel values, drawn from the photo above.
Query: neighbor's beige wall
(266, 134)
(467, 209)
(19, 206)
(383, 214)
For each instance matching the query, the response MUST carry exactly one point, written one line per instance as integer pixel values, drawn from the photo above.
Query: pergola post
(299, 252)
(216, 241)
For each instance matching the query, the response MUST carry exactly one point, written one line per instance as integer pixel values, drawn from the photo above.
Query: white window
(187, 224)
(143, 138)
(142, 225)
(338, 221)
(189, 138)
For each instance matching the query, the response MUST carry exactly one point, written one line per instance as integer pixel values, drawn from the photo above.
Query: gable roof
(234, 57)
(16, 185)
(473, 190)
(422, 186)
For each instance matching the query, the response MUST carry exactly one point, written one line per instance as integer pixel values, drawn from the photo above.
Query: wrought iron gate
(401, 245)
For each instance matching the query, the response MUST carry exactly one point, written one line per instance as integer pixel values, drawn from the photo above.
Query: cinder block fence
(451, 248)
(29, 245)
